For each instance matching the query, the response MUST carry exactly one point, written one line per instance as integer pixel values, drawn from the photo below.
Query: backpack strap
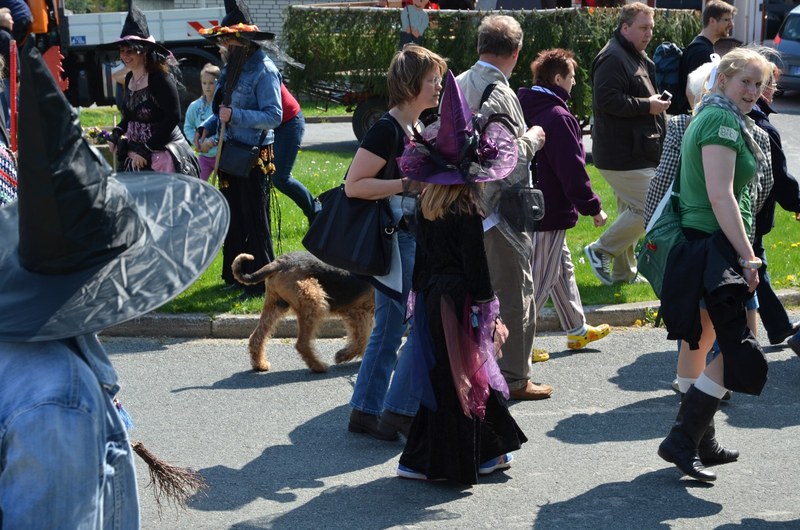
(486, 93)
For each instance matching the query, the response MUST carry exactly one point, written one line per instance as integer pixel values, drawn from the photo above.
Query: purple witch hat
(459, 148)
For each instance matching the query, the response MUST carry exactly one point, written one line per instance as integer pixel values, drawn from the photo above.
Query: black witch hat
(84, 248)
(237, 23)
(136, 34)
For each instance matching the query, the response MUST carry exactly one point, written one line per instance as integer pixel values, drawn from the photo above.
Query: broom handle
(219, 149)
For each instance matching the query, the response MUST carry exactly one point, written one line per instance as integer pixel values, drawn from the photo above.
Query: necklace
(136, 82)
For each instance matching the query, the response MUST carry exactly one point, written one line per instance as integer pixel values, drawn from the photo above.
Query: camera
(666, 96)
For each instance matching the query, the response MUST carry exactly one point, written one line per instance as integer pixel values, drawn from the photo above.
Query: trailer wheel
(367, 113)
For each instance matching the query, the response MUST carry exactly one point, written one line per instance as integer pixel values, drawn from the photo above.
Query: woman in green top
(719, 162)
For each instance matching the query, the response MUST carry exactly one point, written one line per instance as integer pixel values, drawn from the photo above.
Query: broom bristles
(171, 484)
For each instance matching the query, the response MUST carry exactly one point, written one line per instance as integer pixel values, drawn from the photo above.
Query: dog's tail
(255, 278)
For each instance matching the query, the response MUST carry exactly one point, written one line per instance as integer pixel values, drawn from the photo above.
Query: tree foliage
(96, 6)
(349, 48)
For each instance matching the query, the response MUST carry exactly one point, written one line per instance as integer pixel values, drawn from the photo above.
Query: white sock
(583, 330)
(684, 383)
(705, 385)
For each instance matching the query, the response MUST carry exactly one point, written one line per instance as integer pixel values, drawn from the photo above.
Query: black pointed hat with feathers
(237, 23)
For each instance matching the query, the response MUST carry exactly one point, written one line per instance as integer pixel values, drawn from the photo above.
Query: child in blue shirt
(198, 111)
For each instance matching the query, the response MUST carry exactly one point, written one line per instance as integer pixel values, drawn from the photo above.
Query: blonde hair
(406, 72)
(210, 69)
(439, 199)
(737, 59)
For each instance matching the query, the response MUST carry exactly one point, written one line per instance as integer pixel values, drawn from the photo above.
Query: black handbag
(522, 207)
(354, 234)
(238, 159)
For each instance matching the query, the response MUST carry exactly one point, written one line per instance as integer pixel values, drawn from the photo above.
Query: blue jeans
(66, 460)
(372, 392)
(288, 137)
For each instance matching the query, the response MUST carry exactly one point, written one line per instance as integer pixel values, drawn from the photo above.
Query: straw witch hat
(237, 23)
(84, 248)
(460, 148)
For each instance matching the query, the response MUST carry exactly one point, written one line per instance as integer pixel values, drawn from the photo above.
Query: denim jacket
(255, 102)
(65, 460)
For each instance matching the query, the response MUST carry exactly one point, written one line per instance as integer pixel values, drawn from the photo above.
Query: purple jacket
(561, 163)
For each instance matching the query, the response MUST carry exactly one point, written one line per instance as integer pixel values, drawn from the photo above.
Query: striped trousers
(554, 277)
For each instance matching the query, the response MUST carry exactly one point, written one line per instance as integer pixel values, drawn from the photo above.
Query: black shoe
(232, 287)
(364, 423)
(399, 422)
(780, 337)
(794, 344)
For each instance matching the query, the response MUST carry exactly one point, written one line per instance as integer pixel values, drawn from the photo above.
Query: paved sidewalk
(228, 326)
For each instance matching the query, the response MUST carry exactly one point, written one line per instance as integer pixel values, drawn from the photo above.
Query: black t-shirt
(696, 54)
(381, 138)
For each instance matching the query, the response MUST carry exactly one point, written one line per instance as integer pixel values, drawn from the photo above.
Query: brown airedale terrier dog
(312, 289)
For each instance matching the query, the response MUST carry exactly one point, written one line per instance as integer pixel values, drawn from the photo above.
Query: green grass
(320, 171)
(99, 117)
(319, 109)
(104, 116)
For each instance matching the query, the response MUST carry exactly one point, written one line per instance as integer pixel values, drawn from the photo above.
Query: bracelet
(747, 264)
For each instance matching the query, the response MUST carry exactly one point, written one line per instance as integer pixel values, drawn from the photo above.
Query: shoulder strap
(486, 93)
(676, 183)
(392, 167)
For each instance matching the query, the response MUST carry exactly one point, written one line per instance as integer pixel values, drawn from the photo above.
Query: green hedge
(349, 48)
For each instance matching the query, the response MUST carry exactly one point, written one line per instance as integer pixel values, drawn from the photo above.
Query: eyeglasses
(435, 81)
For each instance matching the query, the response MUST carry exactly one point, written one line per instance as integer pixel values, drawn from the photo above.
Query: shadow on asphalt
(762, 524)
(648, 501)
(646, 374)
(320, 449)
(385, 503)
(251, 379)
(655, 418)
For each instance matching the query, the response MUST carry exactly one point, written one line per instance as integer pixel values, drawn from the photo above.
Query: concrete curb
(328, 119)
(228, 326)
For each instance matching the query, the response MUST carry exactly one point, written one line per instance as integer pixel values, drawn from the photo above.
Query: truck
(87, 69)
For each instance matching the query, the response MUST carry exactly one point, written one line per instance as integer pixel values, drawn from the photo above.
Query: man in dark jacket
(629, 124)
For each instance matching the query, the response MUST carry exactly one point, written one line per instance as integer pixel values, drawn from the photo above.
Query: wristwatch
(747, 264)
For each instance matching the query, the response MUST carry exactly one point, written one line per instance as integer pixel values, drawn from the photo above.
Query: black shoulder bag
(521, 204)
(354, 234)
(238, 158)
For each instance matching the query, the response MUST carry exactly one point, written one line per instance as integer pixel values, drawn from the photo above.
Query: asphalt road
(275, 450)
